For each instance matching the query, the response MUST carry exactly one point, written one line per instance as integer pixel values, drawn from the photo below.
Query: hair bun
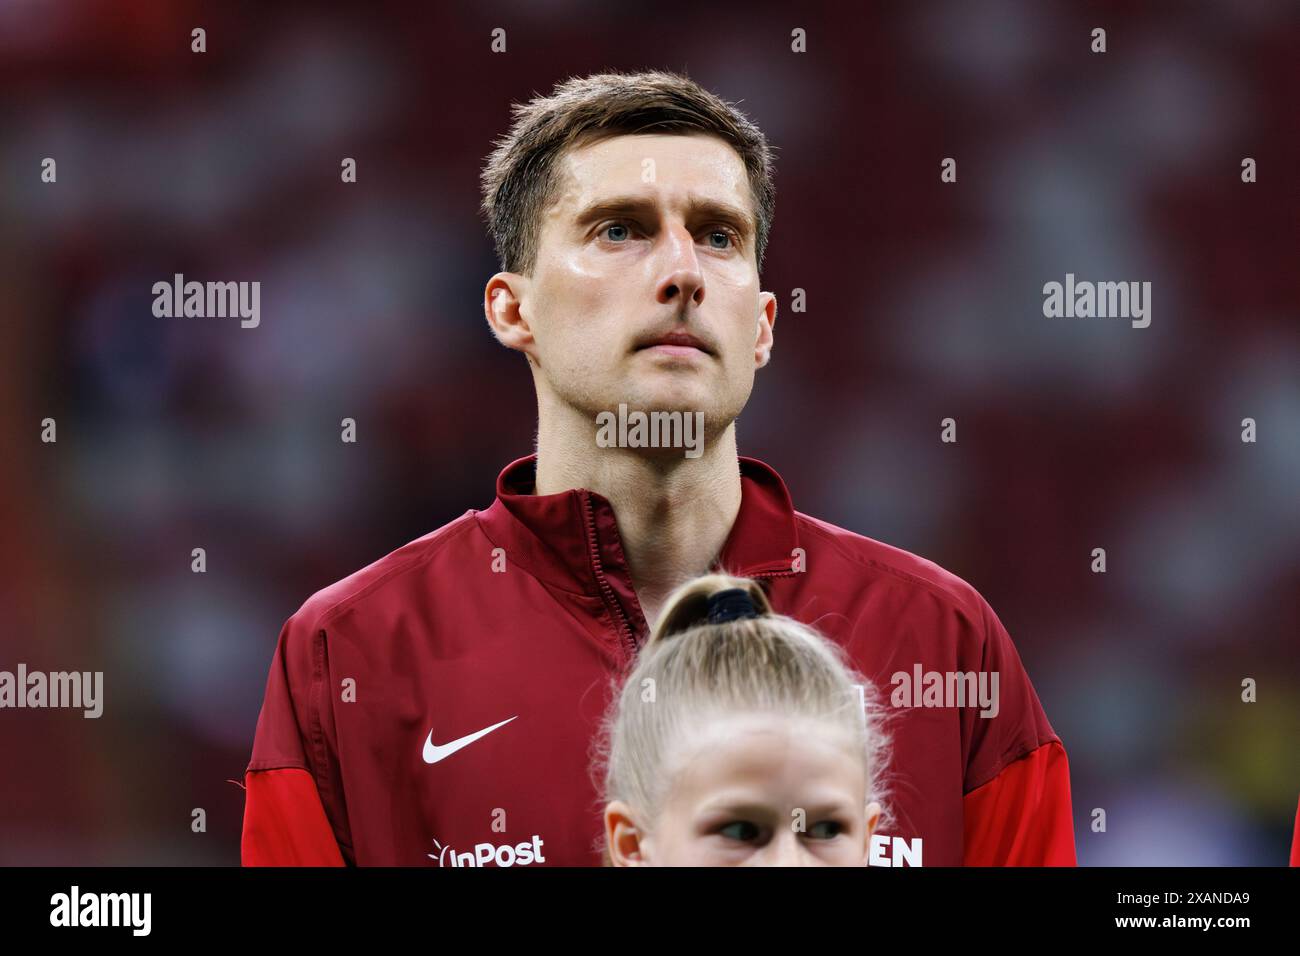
(730, 604)
(710, 599)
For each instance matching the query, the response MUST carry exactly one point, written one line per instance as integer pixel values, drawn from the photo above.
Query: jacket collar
(570, 539)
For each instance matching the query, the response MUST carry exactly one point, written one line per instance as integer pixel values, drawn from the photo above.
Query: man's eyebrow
(699, 208)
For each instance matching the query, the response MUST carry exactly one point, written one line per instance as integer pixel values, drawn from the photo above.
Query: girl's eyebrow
(734, 798)
(828, 809)
(744, 808)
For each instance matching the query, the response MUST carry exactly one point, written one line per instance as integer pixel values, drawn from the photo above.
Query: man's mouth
(676, 343)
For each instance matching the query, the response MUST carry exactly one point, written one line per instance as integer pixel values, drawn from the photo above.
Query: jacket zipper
(607, 593)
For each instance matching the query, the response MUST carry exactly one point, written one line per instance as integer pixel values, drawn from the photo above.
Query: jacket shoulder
(957, 628)
(908, 568)
(377, 578)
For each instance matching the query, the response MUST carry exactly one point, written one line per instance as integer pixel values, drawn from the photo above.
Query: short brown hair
(520, 176)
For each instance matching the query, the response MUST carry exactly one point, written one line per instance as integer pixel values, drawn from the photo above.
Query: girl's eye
(740, 830)
(825, 830)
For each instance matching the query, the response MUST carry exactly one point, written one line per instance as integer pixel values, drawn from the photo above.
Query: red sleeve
(1016, 803)
(284, 822)
(1295, 839)
(294, 812)
(1022, 817)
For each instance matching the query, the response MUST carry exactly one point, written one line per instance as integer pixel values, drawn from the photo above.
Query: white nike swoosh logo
(434, 752)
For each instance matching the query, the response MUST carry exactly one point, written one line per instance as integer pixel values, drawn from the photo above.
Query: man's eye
(727, 237)
(740, 830)
(825, 830)
(617, 231)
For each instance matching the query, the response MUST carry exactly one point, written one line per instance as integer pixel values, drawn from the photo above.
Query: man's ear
(764, 336)
(623, 838)
(502, 306)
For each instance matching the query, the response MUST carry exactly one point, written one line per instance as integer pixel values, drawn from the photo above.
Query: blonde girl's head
(740, 737)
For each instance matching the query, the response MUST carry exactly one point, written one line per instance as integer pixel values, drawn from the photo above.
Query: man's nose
(682, 280)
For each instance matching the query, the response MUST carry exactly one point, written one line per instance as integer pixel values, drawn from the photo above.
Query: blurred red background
(924, 302)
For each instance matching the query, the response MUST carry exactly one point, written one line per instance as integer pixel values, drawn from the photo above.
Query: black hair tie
(731, 604)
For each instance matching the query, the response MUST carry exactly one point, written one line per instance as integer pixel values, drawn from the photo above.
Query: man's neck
(674, 513)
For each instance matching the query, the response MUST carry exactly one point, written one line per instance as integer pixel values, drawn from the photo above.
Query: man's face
(648, 235)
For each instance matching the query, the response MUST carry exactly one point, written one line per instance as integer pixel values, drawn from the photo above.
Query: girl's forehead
(756, 743)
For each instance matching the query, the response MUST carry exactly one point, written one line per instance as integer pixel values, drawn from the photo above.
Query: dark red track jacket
(438, 707)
